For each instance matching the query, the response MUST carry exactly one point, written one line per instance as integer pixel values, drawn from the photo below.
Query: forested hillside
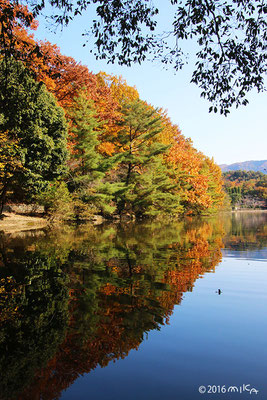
(83, 144)
(247, 189)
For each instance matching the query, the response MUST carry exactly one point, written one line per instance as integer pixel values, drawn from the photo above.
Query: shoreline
(249, 210)
(11, 222)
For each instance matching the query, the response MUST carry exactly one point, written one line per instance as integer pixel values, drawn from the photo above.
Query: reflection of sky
(211, 340)
(260, 255)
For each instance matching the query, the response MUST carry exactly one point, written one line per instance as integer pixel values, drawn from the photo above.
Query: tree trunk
(128, 174)
(3, 197)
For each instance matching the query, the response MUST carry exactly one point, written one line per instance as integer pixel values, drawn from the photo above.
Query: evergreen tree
(142, 187)
(235, 195)
(87, 166)
(153, 191)
(85, 160)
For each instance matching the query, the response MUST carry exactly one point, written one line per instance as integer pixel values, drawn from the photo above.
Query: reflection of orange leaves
(202, 256)
(118, 330)
(9, 289)
(137, 269)
(108, 289)
(72, 293)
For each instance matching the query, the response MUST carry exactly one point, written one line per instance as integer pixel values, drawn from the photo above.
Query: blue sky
(239, 137)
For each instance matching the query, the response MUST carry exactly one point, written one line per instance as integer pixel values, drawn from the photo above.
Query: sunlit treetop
(230, 38)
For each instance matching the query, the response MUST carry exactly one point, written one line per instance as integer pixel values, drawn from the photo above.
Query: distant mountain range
(258, 166)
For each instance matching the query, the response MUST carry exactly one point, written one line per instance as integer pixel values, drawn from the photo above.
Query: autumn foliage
(94, 295)
(170, 168)
(246, 189)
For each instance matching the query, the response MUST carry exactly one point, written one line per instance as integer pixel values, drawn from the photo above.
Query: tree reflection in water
(73, 299)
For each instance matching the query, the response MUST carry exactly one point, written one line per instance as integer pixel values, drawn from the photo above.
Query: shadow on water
(74, 299)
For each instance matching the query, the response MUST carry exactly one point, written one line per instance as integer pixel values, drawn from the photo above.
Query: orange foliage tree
(196, 177)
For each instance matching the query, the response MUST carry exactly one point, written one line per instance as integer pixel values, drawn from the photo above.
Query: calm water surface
(139, 311)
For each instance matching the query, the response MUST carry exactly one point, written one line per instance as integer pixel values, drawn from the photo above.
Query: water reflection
(247, 233)
(73, 299)
(33, 319)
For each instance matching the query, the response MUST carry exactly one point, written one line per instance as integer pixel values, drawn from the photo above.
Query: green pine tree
(142, 187)
(87, 166)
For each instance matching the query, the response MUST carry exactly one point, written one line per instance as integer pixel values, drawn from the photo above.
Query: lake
(158, 310)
